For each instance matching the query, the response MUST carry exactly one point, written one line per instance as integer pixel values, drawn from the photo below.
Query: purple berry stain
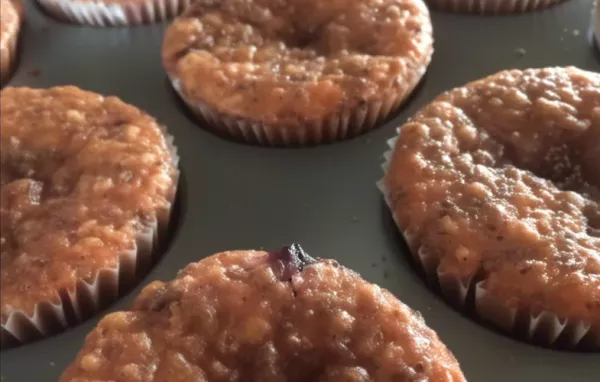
(290, 260)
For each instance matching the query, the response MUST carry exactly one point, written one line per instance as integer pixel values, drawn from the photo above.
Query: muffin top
(9, 21)
(284, 62)
(499, 181)
(81, 175)
(257, 316)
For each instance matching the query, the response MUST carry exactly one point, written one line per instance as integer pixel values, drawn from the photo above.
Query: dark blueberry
(291, 260)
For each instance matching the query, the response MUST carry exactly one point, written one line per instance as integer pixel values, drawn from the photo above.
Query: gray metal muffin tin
(235, 196)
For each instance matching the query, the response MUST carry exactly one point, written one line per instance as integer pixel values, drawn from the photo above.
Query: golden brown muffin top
(80, 176)
(284, 62)
(9, 21)
(502, 177)
(257, 316)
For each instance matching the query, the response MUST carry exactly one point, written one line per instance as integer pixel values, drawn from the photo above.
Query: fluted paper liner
(123, 13)
(347, 123)
(544, 327)
(491, 6)
(70, 307)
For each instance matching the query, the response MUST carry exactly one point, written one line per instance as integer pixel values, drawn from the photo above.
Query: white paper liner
(491, 6)
(544, 328)
(75, 305)
(89, 297)
(348, 123)
(101, 14)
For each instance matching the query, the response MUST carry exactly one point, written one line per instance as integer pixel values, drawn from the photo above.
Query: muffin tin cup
(597, 23)
(114, 14)
(542, 328)
(347, 123)
(491, 6)
(70, 307)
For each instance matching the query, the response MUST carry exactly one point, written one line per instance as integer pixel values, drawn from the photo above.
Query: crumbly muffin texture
(81, 175)
(500, 181)
(9, 16)
(285, 61)
(257, 316)
(10, 21)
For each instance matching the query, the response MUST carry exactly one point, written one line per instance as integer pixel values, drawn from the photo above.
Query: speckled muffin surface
(257, 316)
(82, 177)
(496, 186)
(286, 72)
(10, 22)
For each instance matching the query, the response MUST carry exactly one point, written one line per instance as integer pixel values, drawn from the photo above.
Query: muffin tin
(234, 196)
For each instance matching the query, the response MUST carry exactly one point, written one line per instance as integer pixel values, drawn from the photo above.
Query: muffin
(113, 13)
(87, 186)
(258, 316)
(11, 13)
(283, 73)
(491, 6)
(496, 188)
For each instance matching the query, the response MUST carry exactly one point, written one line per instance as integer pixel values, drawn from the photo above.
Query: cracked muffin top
(81, 175)
(286, 62)
(258, 316)
(498, 182)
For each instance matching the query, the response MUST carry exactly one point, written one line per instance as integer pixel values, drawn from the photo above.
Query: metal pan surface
(234, 196)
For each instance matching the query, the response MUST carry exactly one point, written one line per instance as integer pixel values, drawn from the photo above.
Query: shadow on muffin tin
(596, 45)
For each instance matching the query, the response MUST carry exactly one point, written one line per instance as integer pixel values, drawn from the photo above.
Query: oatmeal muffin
(87, 185)
(112, 13)
(258, 316)
(285, 73)
(496, 187)
(11, 14)
(491, 6)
